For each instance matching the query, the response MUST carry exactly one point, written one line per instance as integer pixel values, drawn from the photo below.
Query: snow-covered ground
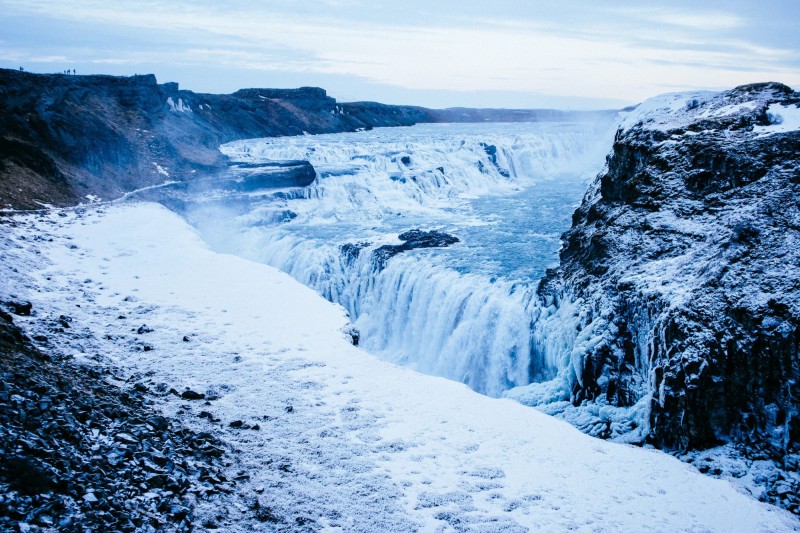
(346, 441)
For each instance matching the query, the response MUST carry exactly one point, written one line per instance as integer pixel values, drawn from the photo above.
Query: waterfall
(465, 312)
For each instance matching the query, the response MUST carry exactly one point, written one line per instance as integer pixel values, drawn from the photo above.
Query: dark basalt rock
(351, 251)
(144, 328)
(412, 239)
(28, 475)
(20, 308)
(276, 174)
(78, 454)
(189, 394)
(63, 137)
(684, 256)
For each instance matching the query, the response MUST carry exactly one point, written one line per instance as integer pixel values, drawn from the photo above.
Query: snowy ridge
(367, 445)
(675, 111)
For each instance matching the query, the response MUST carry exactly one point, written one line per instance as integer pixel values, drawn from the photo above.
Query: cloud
(606, 53)
(705, 21)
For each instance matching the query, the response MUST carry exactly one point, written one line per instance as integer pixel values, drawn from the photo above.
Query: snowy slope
(366, 445)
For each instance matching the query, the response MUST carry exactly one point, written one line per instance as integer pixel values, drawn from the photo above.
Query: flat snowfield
(346, 442)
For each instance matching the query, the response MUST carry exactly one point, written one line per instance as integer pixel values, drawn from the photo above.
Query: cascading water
(465, 311)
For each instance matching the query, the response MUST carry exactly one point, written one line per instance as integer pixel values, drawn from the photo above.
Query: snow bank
(672, 110)
(678, 110)
(347, 441)
(783, 119)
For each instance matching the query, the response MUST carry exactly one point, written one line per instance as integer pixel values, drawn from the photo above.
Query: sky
(568, 54)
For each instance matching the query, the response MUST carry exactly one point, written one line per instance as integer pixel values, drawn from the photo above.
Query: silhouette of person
(21, 69)
(73, 71)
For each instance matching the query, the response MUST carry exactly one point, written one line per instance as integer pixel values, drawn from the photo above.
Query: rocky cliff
(681, 273)
(64, 137)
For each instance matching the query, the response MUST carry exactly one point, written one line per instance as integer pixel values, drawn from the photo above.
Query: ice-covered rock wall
(675, 314)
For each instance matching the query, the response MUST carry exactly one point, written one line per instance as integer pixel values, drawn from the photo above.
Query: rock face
(682, 269)
(64, 137)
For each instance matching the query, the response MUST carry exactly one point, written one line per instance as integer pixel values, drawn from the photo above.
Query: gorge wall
(680, 276)
(64, 137)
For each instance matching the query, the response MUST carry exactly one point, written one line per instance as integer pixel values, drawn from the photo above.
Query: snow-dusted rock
(682, 274)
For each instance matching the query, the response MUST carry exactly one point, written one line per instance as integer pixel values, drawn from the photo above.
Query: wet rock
(412, 239)
(144, 328)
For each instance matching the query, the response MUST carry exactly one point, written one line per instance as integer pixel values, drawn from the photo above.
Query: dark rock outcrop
(78, 453)
(684, 261)
(412, 239)
(64, 137)
(277, 174)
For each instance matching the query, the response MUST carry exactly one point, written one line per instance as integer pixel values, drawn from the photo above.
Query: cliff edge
(63, 138)
(680, 279)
